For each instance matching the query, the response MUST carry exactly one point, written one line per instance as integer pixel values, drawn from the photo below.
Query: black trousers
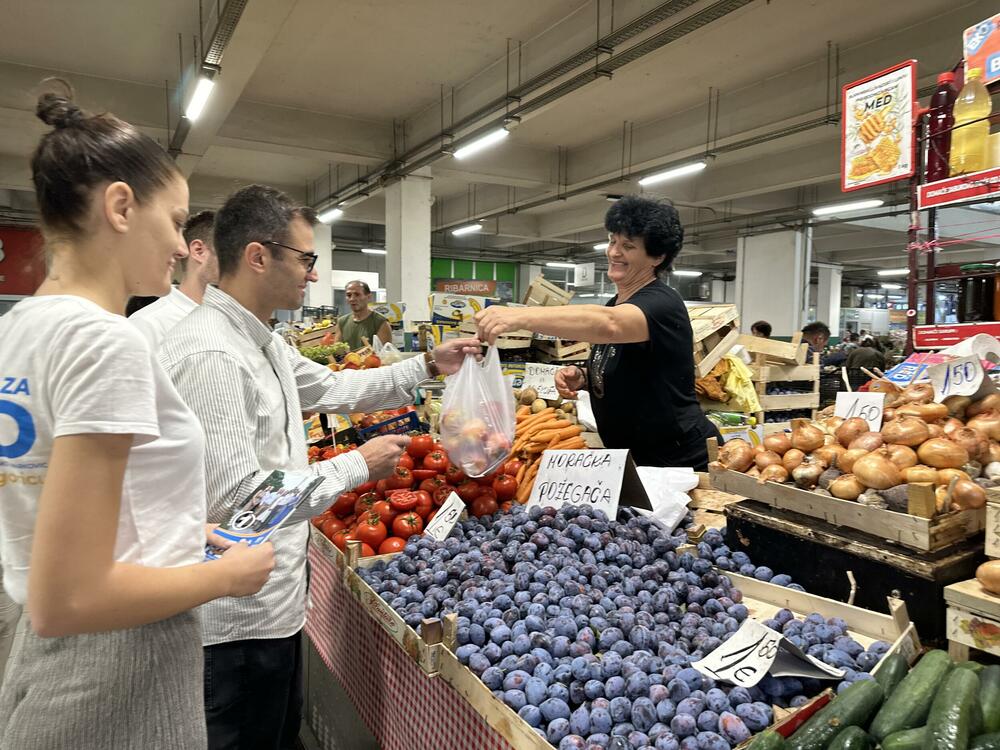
(253, 694)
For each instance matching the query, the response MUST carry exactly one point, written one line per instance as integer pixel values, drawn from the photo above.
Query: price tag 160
(959, 377)
(445, 519)
(745, 658)
(868, 406)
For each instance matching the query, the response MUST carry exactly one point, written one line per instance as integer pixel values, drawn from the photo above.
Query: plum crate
(801, 380)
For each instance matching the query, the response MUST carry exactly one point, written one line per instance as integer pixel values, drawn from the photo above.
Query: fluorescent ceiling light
(372, 251)
(613, 198)
(467, 229)
(560, 264)
(686, 273)
(670, 174)
(331, 215)
(892, 286)
(894, 272)
(199, 98)
(479, 144)
(837, 208)
(586, 295)
(602, 245)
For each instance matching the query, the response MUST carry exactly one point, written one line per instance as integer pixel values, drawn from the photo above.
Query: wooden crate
(511, 340)
(312, 338)
(542, 293)
(765, 373)
(973, 619)
(993, 528)
(780, 352)
(715, 329)
(554, 352)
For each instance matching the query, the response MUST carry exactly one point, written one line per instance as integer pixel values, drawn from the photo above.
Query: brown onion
(807, 475)
(884, 386)
(847, 487)
(918, 393)
(846, 462)
(951, 424)
(877, 472)
(830, 424)
(736, 454)
(905, 431)
(901, 455)
(753, 472)
(919, 473)
(957, 405)
(767, 458)
(994, 454)
(870, 441)
(829, 454)
(889, 414)
(935, 430)
(966, 495)
(851, 429)
(976, 444)
(779, 442)
(807, 437)
(927, 412)
(941, 453)
(792, 459)
(944, 476)
(987, 422)
(773, 473)
(986, 403)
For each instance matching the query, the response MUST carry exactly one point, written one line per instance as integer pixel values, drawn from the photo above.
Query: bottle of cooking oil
(969, 143)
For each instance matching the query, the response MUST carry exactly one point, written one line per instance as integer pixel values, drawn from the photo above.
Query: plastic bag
(738, 383)
(387, 352)
(477, 415)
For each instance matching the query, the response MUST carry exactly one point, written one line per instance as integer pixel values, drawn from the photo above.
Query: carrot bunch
(536, 433)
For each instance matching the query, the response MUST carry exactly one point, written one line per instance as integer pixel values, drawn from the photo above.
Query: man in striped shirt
(249, 390)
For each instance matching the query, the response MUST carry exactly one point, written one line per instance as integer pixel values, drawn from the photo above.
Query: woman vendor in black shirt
(640, 374)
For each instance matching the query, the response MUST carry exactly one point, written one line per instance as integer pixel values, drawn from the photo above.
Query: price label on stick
(960, 377)
(868, 406)
(541, 378)
(445, 519)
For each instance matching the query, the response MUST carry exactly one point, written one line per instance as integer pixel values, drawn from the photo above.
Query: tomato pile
(332, 451)
(383, 515)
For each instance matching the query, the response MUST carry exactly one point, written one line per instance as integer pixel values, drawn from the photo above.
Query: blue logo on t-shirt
(25, 437)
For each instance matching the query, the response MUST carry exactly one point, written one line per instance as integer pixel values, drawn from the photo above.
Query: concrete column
(321, 293)
(408, 243)
(828, 297)
(526, 272)
(772, 272)
(718, 291)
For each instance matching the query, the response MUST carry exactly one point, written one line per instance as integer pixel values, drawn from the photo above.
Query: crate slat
(789, 353)
(542, 293)
(786, 402)
(993, 528)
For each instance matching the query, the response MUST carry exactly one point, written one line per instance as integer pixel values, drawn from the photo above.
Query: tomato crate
(403, 424)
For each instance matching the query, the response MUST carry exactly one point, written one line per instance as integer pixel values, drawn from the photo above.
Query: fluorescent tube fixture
(467, 229)
(199, 98)
(372, 251)
(837, 208)
(330, 215)
(601, 245)
(582, 296)
(892, 286)
(671, 174)
(494, 136)
(894, 272)
(686, 273)
(559, 264)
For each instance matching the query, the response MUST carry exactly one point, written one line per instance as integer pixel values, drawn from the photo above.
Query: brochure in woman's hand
(267, 507)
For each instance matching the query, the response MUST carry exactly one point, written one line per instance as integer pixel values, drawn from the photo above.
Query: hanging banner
(877, 128)
(466, 286)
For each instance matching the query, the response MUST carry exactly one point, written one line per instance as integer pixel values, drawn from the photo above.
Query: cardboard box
(391, 311)
(981, 44)
(452, 309)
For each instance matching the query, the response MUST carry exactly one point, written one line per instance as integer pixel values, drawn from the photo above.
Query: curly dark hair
(656, 222)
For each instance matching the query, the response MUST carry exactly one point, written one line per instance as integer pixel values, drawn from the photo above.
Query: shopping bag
(477, 415)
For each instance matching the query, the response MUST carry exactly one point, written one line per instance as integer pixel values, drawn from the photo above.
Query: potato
(568, 406)
(517, 395)
(555, 402)
(529, 396)
(538, 405)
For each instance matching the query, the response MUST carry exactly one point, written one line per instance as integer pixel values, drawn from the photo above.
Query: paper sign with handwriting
(583, 477)
(868, 406)
(445, 519)
(960, 377)
(542, 379)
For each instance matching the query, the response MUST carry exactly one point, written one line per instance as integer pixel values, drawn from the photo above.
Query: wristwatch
(583, 374)
(432, 367)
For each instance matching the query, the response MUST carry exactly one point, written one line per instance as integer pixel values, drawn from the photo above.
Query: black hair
(135, 304)
(362, 284)
(198, 227)
(255, 213)
(817, 327)
(656, 222)
(83, 151)
(763, 326)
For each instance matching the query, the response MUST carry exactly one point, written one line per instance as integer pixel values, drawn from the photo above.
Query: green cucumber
(986, 742)
(852, 738)
(891, 671)
(976, 723)
(989, 698)
(910, 702)
(767, 740)
(975, 666)
(948, 724)
(907, 739)
(852, 708)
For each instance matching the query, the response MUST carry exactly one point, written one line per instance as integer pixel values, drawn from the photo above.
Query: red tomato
(486, 481)
(505, 507)
(420, 446)
(406, 461)
(454, 475)
(430, 516)
(391, 545)
(483, 506)
(512, 467)
(468, 491)
(422, 475)
(340, 539)
(363, 488)
(505, 486)
(371, 531)
(437, 461)
(403, 501)
(331, 526)
(487, 492)
(385, 511)
(365, 502)
(424, 503)
(382, 486)
(441, 495)
(407, 525)
(401, 479)
(366, 550)
(433, 484)
(344, 504)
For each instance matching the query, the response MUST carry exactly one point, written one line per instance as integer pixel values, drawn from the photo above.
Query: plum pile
(587, 627)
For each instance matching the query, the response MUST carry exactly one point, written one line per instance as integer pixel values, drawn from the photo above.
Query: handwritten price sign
(960, 377)
(868, 406)
(445, 519)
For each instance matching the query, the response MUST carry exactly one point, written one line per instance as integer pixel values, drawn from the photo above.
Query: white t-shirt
(157, 318)
(68, 367)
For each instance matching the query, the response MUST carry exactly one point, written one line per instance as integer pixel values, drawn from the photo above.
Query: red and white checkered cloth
(403, 707)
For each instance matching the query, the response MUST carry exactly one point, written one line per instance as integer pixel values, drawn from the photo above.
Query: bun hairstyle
(84, 151)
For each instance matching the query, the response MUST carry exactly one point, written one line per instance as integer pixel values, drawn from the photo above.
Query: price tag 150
(445, 519)
(959, 377)
(868, 406)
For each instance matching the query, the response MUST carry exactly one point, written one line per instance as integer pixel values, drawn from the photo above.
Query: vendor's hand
(450, 355)
(496, 320)
(382, 454)
(569, 380)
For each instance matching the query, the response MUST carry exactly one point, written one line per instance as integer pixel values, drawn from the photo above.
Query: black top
(643, 394)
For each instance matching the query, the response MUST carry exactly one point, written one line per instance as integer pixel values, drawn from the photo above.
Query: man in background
(817, 335)
(761, 329)
(200, 269)
(361, 323)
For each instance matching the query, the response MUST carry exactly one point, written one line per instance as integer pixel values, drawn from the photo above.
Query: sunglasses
(308, 259)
